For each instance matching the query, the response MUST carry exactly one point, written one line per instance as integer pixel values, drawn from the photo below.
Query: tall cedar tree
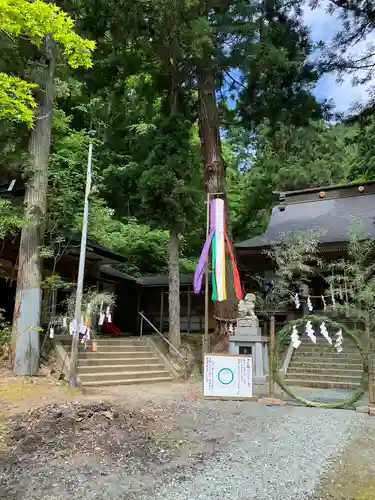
(43, 30)
(210, 40)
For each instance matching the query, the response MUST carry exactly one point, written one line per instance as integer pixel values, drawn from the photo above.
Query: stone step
(151, 366)
(99, 355)
(123, 375)
(325, 348)
(328, 348)
(112, 340)
(321, 358)
(128, 349)
(326, 370)
(322, 340)
(117, 360)
(322, 384)
(347, 365)
(332, 377)
(129, 381)
(120, 342)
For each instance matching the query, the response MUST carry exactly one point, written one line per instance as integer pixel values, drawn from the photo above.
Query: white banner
(228, 376)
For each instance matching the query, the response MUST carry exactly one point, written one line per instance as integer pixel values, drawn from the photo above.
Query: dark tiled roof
(74, 242)
(163, 280)
(108, 270)
(342, 188)
(332, 217)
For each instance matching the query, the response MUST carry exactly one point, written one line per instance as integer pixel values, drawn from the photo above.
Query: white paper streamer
(297, 301)
(324, 332)
(324, 303)
(65, 322)
(309, 304)
(109, 315)
(51, 332)
(338, 343)
(310, 332)
(72, 327)
(101, 319)
(333, 297)
(295, 338)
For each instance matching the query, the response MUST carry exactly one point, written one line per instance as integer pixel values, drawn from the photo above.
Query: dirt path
(164, 442)
(351, 475)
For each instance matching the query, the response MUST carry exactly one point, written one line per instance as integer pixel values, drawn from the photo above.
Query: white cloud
(323, 27)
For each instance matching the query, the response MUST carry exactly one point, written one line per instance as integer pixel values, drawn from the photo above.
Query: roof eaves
(324, 188)
(98, 249)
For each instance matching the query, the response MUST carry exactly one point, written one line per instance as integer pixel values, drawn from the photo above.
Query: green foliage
(291, 158)
(146, 249)
(352, 280)
(67, 176)
(147, 165)
(352, 285)
(34, 20)
(363, 166)
(278, 70)
(170, 181)
(295, 260)
(348, 334)
(5, 334)
(55, 282)
(11, 219)
(16, 99)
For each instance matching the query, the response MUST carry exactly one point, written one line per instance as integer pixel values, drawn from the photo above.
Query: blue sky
(322, 27)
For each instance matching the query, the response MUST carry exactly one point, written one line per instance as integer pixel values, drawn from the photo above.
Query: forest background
(179, 97)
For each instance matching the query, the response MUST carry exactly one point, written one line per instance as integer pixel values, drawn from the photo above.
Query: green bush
(5, 335)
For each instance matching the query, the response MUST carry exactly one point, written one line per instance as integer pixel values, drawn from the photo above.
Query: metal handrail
(184, 358)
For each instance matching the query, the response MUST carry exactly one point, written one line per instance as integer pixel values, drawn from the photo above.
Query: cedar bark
(174, 249)
(215, 182)
(27, 310)
(174, 289)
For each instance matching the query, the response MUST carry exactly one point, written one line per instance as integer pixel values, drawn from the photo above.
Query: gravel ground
(258, 452)
(204, 449)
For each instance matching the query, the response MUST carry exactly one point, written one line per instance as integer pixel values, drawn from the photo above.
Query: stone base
(271, 401)
(260, 380)
(254, 331)
(250, 341)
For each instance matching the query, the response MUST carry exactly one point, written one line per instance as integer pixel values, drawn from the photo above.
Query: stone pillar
(248, 336)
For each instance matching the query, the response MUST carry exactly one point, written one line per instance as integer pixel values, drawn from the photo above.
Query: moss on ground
(3, 431)
(18, 390)
(367, 492)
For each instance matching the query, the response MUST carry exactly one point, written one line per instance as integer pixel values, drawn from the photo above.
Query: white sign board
(228, 376)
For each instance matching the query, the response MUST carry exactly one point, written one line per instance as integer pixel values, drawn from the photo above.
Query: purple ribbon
(199, 270)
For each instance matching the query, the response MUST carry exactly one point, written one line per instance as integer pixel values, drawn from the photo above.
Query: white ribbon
(295, 338)
(324, 332)
(310, 332)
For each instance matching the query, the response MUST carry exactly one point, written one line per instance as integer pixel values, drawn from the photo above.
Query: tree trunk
(174, 289)
(215, 184)
(174, 246)
(26, 320)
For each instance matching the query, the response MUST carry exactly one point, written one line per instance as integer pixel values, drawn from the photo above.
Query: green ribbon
(214, 287)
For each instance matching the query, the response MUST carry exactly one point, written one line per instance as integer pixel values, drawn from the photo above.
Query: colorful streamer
(217, 239)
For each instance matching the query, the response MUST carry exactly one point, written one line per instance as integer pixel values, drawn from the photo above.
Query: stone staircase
(121, 361)
(320, 365)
